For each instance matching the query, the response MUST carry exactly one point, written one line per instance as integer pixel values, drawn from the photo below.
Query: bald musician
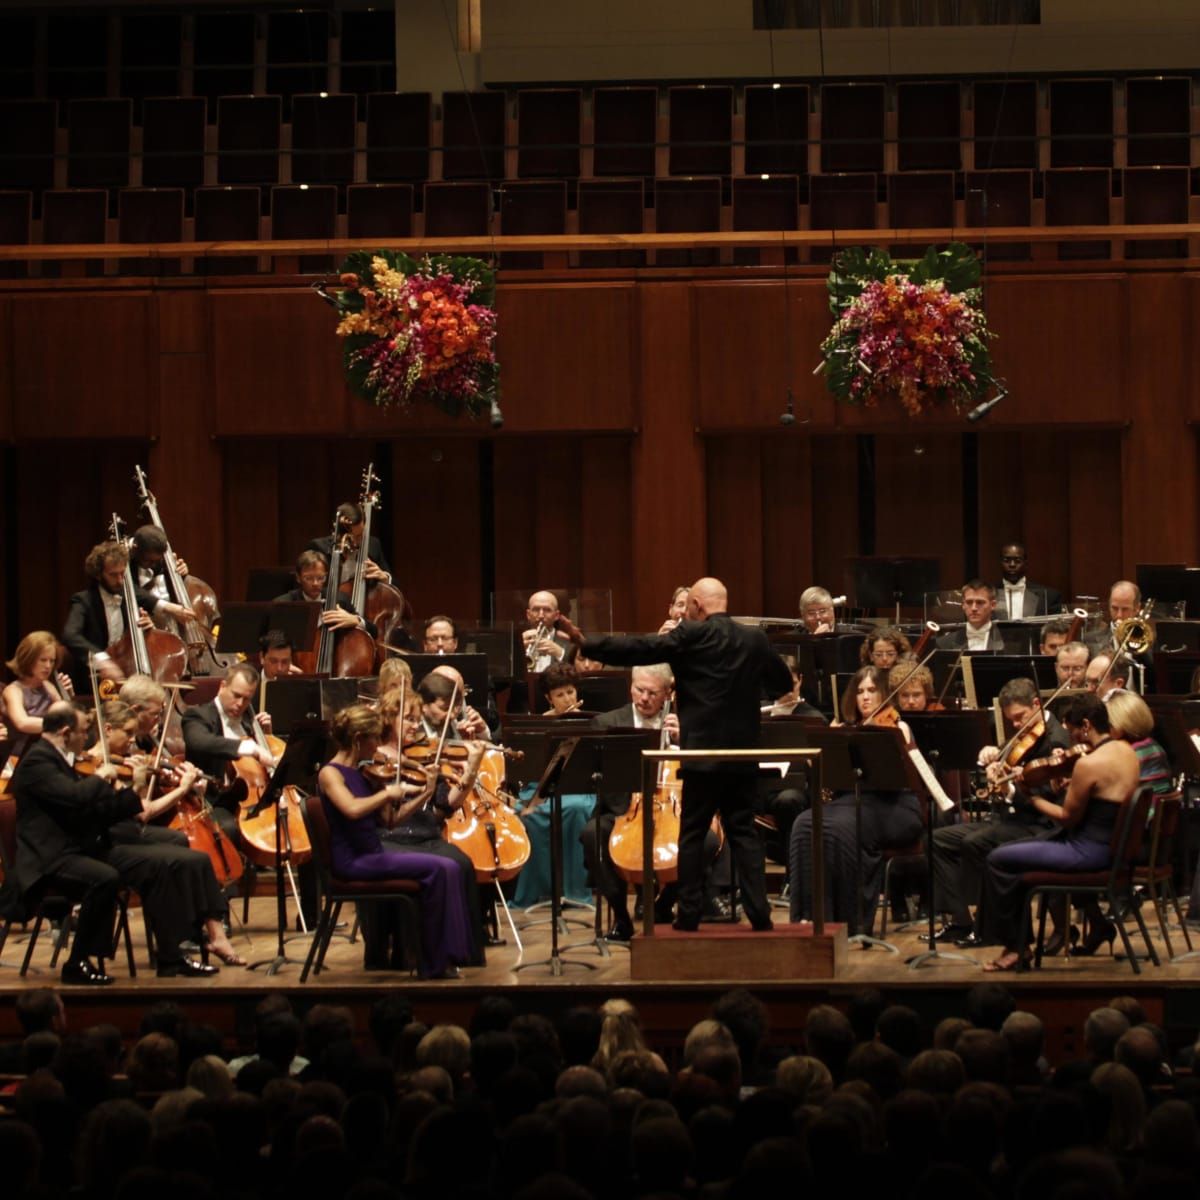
(721, 671)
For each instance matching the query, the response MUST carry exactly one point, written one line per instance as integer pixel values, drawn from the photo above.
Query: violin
(86, 765)
(1054, 766)
(886, 717)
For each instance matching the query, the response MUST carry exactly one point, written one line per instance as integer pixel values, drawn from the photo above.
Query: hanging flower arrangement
(419, 331)
(914, 331)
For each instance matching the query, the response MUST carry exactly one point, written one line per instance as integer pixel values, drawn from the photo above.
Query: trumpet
(531, 648)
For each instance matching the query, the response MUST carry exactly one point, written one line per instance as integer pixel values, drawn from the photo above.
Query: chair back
(1129, 831)
(318, 835)
(8, 836)
(1164, 828)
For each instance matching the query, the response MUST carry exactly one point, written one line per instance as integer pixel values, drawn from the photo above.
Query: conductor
(721, 671)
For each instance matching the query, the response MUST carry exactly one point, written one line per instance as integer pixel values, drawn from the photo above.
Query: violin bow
(900, 686)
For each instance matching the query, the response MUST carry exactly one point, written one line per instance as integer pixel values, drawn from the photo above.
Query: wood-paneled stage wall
(642, 443)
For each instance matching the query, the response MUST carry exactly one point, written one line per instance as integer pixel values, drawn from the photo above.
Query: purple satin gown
(358, 853)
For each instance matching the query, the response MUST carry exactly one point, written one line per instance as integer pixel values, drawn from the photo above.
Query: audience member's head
(984, 1055)
(1139, 1050)
(899, 1028)
(1101, 1032)
(862, 1010)
(1025, 1035)
(948, 1030)
(988, 1004)
(807, 1080)
(828, 1036)
(745, 1016)
(705, 1033)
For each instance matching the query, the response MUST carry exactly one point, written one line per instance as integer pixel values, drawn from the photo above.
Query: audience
(520, 1107)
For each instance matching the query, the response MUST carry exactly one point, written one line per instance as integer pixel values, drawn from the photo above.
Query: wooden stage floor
(1062, 992)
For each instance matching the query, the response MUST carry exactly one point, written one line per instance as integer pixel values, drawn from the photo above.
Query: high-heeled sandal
(1097, 934)
(231, 958)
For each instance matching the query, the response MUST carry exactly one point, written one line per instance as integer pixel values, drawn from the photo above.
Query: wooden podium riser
(737, 955)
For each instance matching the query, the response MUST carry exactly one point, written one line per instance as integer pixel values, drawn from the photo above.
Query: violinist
(544, 645)
(978, 634)
(418, 824)
(394, 672)
(676, 610)
(353, 807)
(649, 689)
(177, 884)
(1100, 783)
(1071, 664)
(149, 549)
(312, 573)
(1108, 673)
(884, 648)
(960, 851)
(469, 723)
(96, 617)
(888, 819)
(915, 686)
(275, 655)
(1054, 635)
(37, 686)
(350, 521)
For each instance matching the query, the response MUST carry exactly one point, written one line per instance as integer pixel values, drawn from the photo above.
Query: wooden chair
(335, 892)
(1115, 883)
(1157, 875)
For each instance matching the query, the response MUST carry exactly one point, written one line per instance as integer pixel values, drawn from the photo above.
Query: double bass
(379, 602)
(153, 652)
(337, 652)
(187, 591)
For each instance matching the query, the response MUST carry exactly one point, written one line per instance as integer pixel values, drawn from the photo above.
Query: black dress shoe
(684, 926)
(716, 908)
(970, 941)
(187, 968)
(947, 933)
(493, 940)
(762, 926)
(622, 932)
(84, 972)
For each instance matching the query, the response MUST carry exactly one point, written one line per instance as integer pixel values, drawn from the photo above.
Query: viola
(85, 765)
(887, 717)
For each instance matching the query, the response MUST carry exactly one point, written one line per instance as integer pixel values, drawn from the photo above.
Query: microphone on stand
(317, 287)
(981, 410)
(788, 417)
(497, 415)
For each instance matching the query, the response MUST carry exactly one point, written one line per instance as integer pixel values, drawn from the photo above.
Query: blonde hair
(354, 723)
(29, 649)
(1127, 1105)
(1129, 716)
(620, 1032)
(389, 704)
(392, 671)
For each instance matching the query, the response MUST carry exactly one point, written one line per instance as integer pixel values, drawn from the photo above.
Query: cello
(375, 600)
(189, 592)
(153, 652)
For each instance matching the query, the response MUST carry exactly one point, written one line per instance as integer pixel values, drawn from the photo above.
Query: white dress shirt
(977, 639)
(1014, 597)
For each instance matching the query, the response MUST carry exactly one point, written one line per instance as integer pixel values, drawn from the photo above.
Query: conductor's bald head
(707, 596)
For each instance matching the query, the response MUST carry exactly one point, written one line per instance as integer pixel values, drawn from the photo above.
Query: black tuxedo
(86, 628)
(1040, 601)
(204, 737)
(296, 596)
(721, 669)
(62, 840)
(956, 639)
(374, 550)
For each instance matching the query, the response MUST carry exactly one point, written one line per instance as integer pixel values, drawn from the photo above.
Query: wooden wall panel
(567, 356)
(751, 340)
(604, 523)
(276, 365)
(669, 510)
(436, 515)
(918, 499)
(84, 366)
(251, 513)
(787, 518)
(735, 519)
(1000, 505)
(6, 370)
(1097, 507)
(1060, 346)
(835, 511)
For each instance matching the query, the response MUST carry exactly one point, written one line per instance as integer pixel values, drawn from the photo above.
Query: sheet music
(930, 780)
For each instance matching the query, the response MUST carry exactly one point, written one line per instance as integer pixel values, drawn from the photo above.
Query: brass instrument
(531, 650)
(1135, 635)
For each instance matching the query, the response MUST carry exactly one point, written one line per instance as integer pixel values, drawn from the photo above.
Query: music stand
(298, 767)
(244, 623)
(1170, 583)
(992, 671)
(944, 666)
(472, 667)
(883, 582)
(953, 741)
(1020, 637)
(265, 583)
(852, 759)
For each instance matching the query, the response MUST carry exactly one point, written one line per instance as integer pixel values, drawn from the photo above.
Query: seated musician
(884, 648)
(793, 704)
(24, 701)
(816, 610)
(960, 851)
(888, 819)
(393, 673)
(676, 610)
(978, 633)
(96, 617)
(1100, 783)
(350, 521)
(543, 642)
(1124, 602)
(1071, 664)
(1107, 673)
(63, 841)
(913, 686)
(199, 900)
(312, 573)
(1018, 599)
(353, 807)
(147, 555)
(1054, 635)
(440, 636)
(421, 827)
(561, 693)
(275, 655)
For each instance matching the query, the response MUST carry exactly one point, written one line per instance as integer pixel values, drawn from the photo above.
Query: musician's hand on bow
(988, 754)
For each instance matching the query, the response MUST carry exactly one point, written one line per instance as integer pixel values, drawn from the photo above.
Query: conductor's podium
(734, 953)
